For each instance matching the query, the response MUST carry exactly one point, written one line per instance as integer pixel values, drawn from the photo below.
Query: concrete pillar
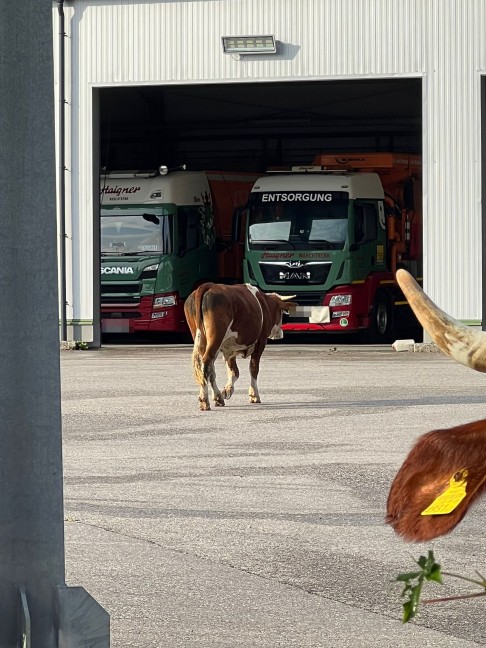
(31, 499)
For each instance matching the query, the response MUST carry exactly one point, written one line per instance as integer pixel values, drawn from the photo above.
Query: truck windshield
(145, 230)
(307, 224)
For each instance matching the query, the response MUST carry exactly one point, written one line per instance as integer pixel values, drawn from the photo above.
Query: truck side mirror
(237, 223)
(409, 195)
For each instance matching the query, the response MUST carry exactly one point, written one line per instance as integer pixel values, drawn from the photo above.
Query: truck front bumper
(142, 318)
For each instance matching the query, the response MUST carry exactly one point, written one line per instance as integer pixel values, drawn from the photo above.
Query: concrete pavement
(259, 525)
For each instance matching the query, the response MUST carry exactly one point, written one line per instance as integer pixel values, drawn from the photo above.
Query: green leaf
(422, 562)
(435, 574)
(410, 607)
(415, 597)
(407, 612)
(407, 576)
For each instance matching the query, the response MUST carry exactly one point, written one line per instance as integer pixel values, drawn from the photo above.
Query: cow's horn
(285, 297)
(464, 344)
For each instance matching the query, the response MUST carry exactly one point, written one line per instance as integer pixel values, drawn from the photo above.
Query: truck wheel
(381, 323)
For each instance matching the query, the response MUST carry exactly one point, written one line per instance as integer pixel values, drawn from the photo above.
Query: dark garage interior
(253, 126)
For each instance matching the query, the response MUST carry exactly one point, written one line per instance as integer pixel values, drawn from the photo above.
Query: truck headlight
(167, 300)
(340, 300)
(150, 272)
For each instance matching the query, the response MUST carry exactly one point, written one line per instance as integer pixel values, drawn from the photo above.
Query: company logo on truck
(115, 190)
(307, 196)
(117, 270)
(288, 276)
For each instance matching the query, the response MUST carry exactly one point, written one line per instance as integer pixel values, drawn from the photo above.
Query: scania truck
(333, 234)
(162, 234)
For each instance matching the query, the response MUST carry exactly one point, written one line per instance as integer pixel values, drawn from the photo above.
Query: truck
(332, 234)
(163, 233)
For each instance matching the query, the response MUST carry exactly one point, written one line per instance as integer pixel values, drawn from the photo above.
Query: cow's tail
(200, 373)
(197, 365)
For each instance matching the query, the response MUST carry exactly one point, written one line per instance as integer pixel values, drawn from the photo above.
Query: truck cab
(333, 236)
(157, 241)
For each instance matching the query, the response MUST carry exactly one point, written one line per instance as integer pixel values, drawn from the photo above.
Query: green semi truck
(333, 234)
(162, 234)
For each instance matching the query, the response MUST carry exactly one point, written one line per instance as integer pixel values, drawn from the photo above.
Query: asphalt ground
(260, 525)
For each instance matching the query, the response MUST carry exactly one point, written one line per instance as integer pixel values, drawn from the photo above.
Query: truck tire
(381, 321)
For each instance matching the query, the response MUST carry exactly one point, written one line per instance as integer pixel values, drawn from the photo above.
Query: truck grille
(119, 293)
(307, 299)
(120, 316)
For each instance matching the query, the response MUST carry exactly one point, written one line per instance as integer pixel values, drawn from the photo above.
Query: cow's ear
(442, 476)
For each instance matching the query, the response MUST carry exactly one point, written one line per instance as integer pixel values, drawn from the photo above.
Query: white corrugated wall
(441, 41)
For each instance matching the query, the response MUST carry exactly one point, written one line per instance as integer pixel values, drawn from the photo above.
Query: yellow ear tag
(451, 497)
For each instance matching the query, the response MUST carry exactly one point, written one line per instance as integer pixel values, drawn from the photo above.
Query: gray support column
(31, 499)
(31, 506)
(483, 199)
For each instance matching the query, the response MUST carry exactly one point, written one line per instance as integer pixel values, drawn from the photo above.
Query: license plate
(315, 314)
(115, 325)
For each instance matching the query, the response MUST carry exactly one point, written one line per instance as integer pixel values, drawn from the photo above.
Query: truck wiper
(137, 253)
(274, 242)
(319, 242)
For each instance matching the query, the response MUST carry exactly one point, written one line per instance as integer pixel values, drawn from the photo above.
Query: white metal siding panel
(442, 41)
(452, 229)
(181, 41)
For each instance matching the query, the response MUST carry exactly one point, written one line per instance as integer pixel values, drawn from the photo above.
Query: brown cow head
(278, 304)
(445, 472)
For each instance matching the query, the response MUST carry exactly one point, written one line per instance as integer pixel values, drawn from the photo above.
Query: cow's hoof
(204, 406)
(219, 402)
(255, 399)
(227, 393)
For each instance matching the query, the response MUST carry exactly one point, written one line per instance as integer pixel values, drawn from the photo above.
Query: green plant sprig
(430, 570)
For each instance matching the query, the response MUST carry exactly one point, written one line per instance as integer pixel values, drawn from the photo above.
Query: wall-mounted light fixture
(242, 45)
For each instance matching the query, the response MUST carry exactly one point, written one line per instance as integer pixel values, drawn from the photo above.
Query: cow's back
(220, 309)
(234, 310)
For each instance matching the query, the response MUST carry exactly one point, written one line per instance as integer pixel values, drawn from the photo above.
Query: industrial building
(146, 83)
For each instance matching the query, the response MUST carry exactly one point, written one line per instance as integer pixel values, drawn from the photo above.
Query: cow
(237, 320)
(445, 472)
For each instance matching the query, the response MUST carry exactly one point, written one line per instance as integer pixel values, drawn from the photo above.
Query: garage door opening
(247, 128)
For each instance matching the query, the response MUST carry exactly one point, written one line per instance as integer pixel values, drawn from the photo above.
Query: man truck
(333, 234)
(162, 234)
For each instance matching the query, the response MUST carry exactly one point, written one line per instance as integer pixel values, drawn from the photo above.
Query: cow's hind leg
(233, 375)
(209, 373)
(201, 375)
(254, 369)
(204, 405)
(217, 396)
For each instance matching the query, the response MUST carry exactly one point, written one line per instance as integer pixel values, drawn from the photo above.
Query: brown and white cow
(445, 472)
(237, 320)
